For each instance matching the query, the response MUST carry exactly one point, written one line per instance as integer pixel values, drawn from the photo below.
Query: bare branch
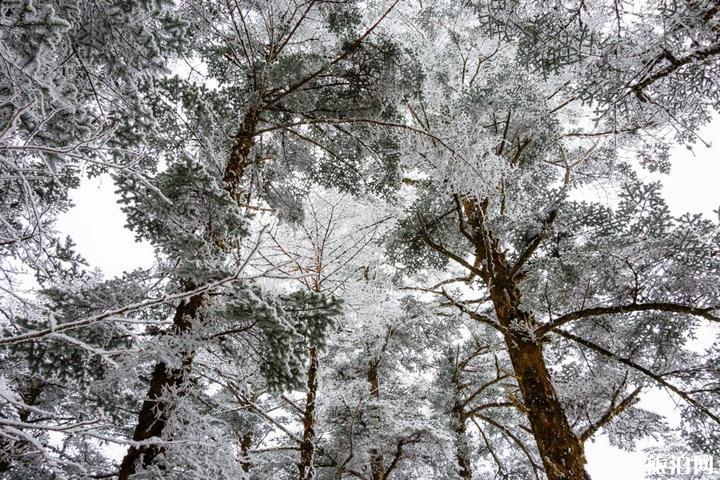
(632, 307)
(699, 55)
(654, 376)
(612, 412)
(534, 243)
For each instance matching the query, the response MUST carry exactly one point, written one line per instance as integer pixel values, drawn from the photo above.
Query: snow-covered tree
(378, 252)
(496, 170)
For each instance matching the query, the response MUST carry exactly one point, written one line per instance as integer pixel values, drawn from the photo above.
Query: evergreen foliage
(379, 253)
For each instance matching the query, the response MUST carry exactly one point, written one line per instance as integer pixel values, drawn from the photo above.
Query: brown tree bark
(239, 155)
(306, 466)
(561, 450)
(154, 412)
(245, 444)
(463, 452)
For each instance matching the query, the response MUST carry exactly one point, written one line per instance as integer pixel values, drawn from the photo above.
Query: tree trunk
(461, 444)
(245, 444)
(155, 412)
(239, 155)
(377, 462)
(463, 449)
(306, 466)
(561, 450)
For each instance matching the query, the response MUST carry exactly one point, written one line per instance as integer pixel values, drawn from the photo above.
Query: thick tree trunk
(239, 155)
(155, 411)
(306, 466)
(561, 450)
(377, 462)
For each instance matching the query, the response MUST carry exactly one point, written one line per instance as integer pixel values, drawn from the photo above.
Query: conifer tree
(494, 182)
(378, 251)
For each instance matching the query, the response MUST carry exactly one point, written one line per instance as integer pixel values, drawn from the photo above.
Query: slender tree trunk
(463, 448)
(561, 450)
(461, 445)
(245, 444)
(154, 412)
(306, 466)
(377, 462)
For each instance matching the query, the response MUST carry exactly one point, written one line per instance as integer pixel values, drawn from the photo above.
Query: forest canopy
(377, 254)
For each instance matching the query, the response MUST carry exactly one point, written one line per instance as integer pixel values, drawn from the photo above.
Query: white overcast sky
(96, 224)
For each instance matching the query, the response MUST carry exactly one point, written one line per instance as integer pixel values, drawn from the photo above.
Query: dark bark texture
(460, 419)
(561, 450)
(155, 410)
(306, 466)
(245, 444)
(30, 390)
